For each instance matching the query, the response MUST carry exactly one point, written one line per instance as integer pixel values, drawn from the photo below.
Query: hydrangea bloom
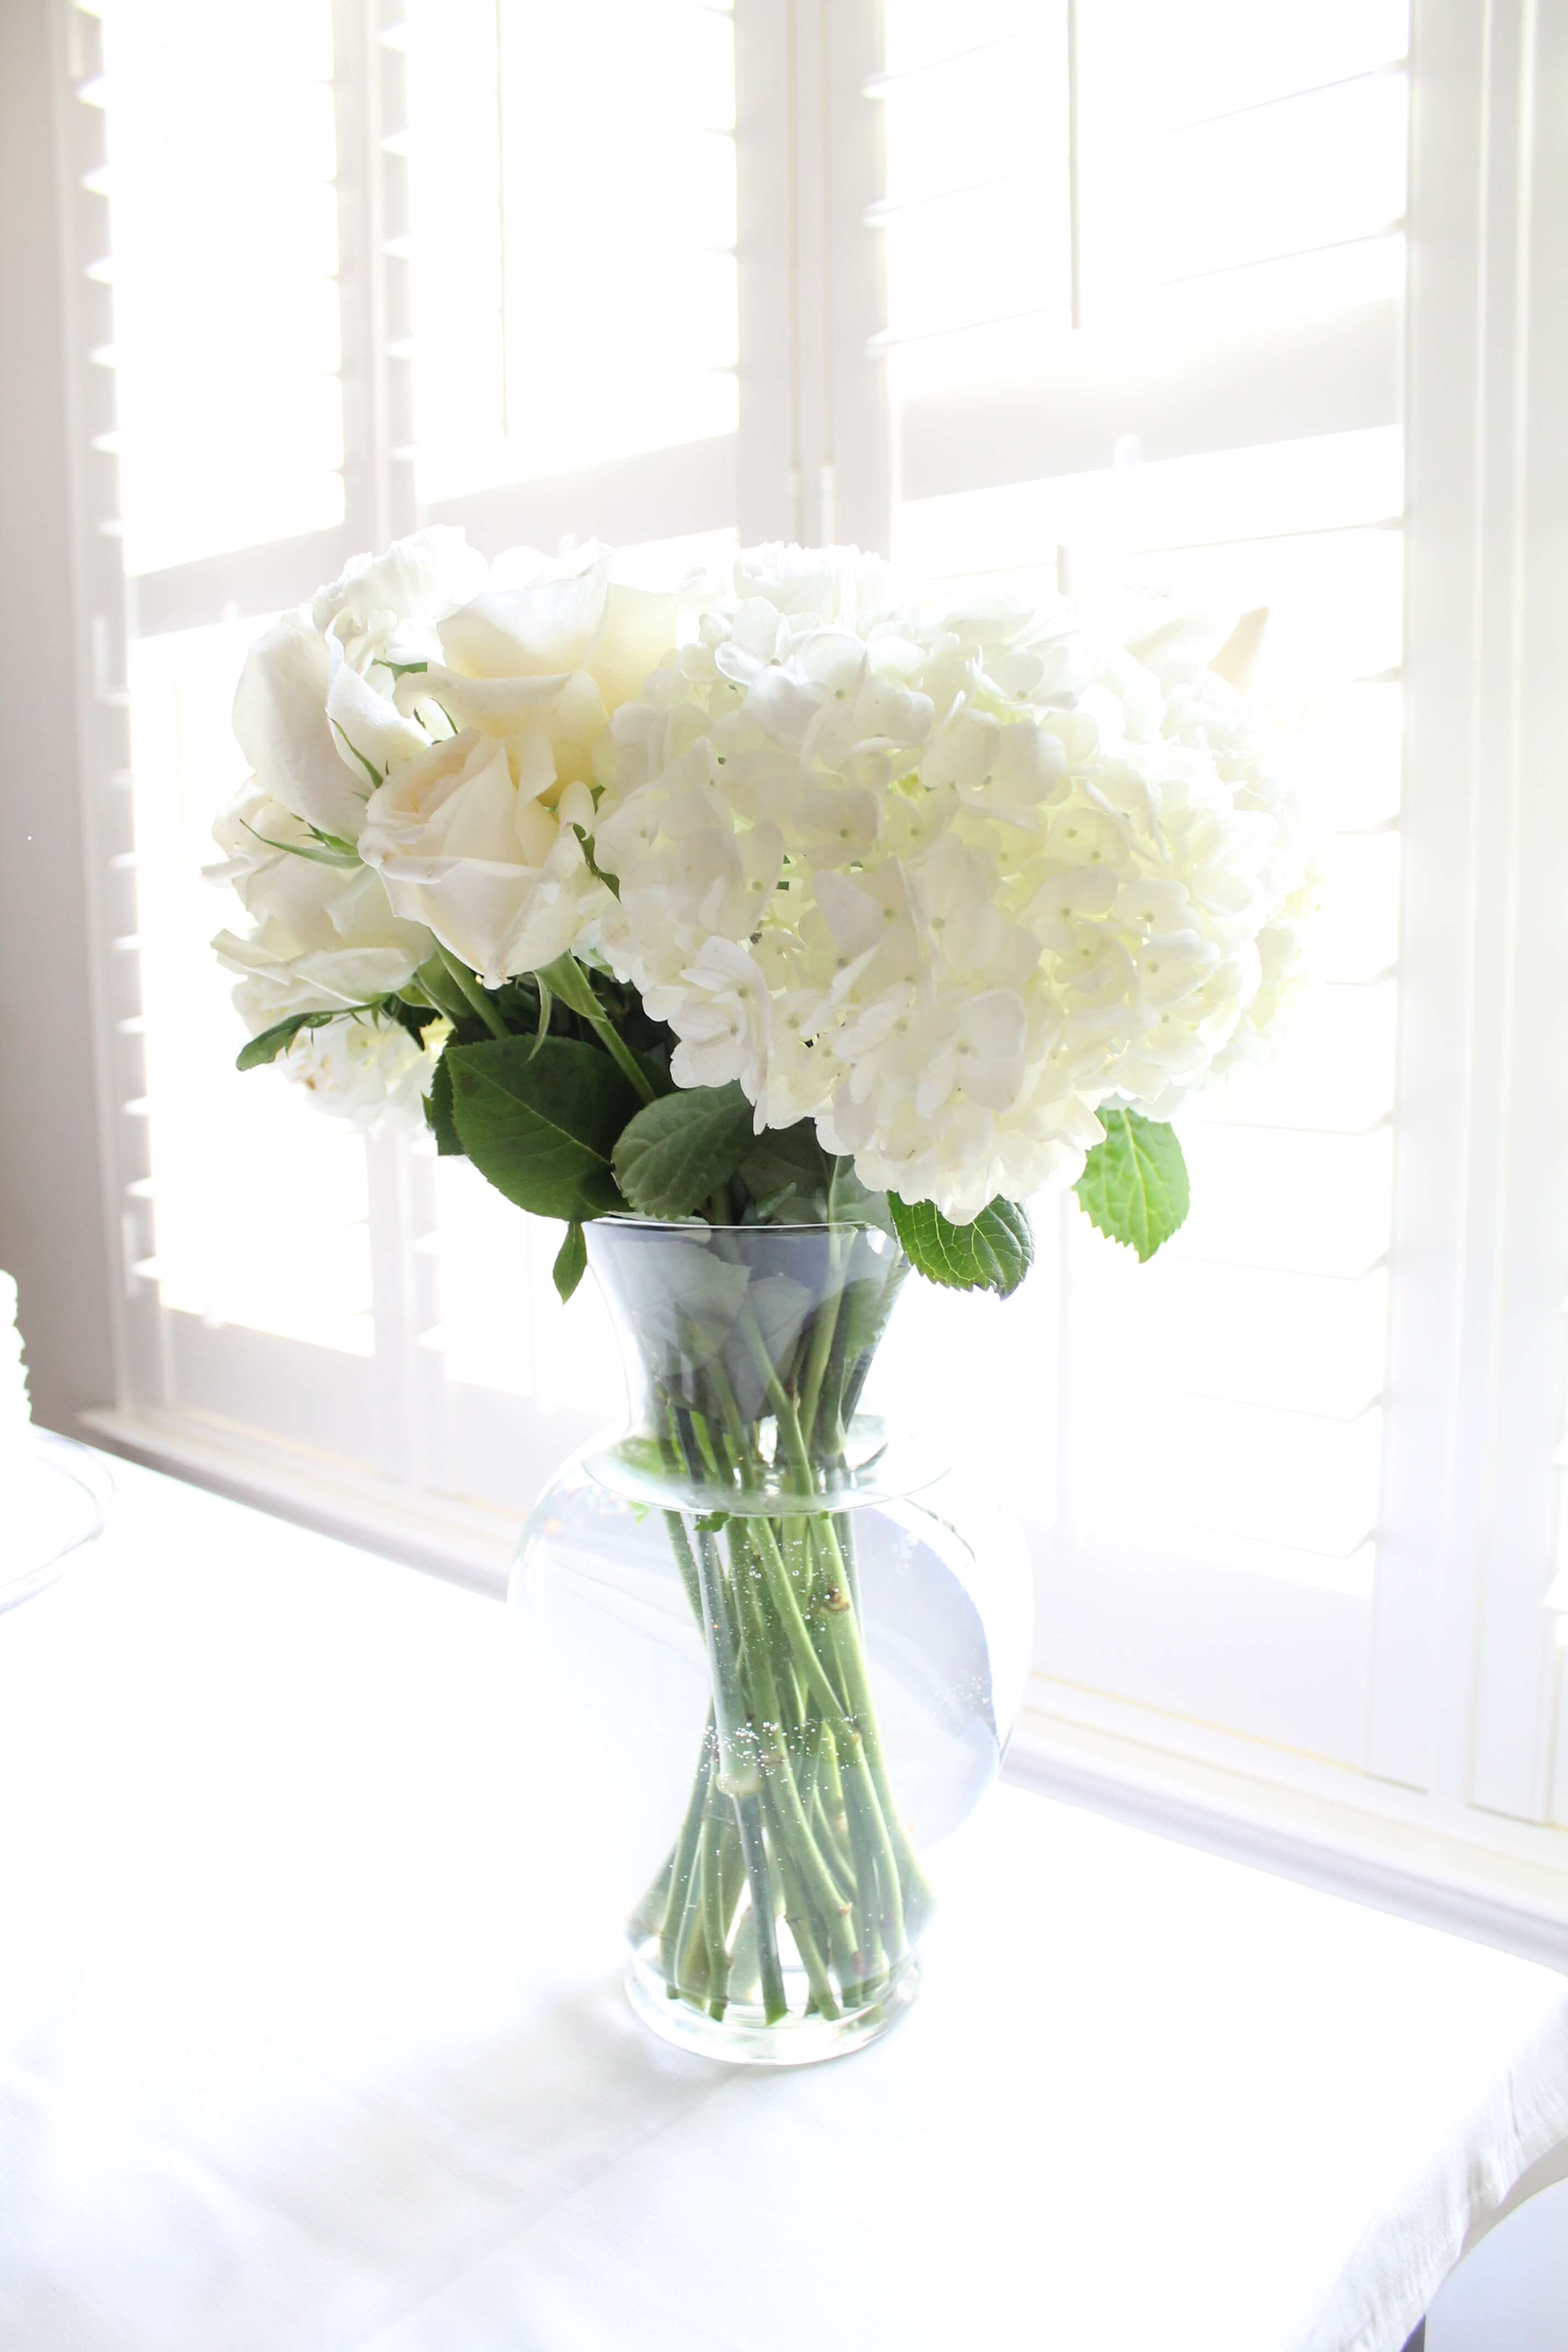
(370, 1073)
(943, 879)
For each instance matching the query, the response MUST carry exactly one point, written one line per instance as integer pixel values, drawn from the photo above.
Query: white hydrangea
(945, 880)
(370, 1073)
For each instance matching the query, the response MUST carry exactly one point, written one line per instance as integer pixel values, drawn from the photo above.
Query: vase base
(742, 2037)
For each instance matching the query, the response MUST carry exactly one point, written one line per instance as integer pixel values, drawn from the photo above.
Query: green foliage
(1134, 1185)
(609, 880)
(680, 1150)
(786, 1174)
(539, 1121)
(438, 1116)
(571, 1261)
(282, 1035)
(790, 1180)
(353, 749)
(322, 849)
(413, 1018)
(994, 1253)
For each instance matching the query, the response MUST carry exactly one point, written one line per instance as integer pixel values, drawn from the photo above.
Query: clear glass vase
(790, 1655)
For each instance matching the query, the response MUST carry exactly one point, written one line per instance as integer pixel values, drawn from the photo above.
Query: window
(1108, 398)
(1218, 302)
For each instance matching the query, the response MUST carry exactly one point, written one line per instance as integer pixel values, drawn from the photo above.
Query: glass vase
(790, 1654)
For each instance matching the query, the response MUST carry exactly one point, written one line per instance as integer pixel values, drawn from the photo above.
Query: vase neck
(746, 1350)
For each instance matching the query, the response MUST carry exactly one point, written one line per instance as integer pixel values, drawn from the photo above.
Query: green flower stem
(784, 1797)
(868, 1834)
(822, 1336)
(566, 979)
(834, 1645)
(782, 1595)
(471, 988)
(857, 1885)
(778, 1396)
(804, 1926)
(731, 1874)
(844, 1533)
(792, 1799)
(683, 1861)
(774, 1664)
(794, 1656)
(872, 1839)
(758, 1886)
(650, 1914)
(693, 1970)
(844, 1637)
(849, 1712)
(745, 1971)
(678, 1544)
(738, 1776)
(714, 1925)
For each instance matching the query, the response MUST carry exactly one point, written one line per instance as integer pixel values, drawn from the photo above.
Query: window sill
(466, 1543)
(1498, 1882)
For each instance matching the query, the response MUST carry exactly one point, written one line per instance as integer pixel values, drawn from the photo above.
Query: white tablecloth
(308, 2040)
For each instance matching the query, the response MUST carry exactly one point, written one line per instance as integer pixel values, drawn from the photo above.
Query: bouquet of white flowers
(797, 901)
(964, 898)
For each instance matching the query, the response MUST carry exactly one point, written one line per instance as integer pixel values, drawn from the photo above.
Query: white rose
(464, 843)
(323, 936)
(314, 711)
(317, 736)
(549, 658)
(385, 609)
(256, 833)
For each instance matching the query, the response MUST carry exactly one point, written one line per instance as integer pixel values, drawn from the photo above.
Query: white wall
(51, 1221)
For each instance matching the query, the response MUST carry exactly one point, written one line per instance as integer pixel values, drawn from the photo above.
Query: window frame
(1464, 1699)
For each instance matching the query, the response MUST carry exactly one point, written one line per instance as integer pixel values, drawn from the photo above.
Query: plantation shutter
(1074, 193)
(382, 311)
(1043, 291)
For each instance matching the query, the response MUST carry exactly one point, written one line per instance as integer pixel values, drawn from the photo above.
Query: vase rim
(623, 1219)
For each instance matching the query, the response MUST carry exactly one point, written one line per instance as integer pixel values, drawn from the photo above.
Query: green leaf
(786, 1174)
(1134, 1185)
(778, 1308)
(679, 1150)
(609, 880)
(571, 1261)
(282, 1035)
(438, 1116)
(323, 849)
(367, 765)
(863, 1313)
(541, 1121)
(545, 1003)
(994, 1253)
(414, 1019)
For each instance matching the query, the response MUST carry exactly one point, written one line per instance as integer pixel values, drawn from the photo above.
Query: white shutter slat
(229, 406)
(1307, 378)
(1219, 1412)
(617, 338)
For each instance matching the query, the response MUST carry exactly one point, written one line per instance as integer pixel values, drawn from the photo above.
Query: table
(307, 2041)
